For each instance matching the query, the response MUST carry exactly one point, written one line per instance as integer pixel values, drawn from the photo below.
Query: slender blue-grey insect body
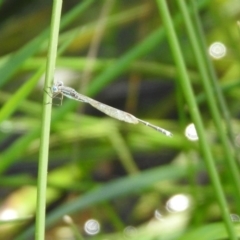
(59, 88)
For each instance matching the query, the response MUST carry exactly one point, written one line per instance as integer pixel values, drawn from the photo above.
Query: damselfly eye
(54, 89)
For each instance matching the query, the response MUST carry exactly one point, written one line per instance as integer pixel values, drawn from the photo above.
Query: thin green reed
(46, 120)
(212, 103)
(209, 65)
(195, 114)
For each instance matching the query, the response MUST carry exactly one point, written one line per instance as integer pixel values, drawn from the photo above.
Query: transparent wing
(113, 112)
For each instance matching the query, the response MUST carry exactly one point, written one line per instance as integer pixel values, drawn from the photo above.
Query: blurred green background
(117, 180)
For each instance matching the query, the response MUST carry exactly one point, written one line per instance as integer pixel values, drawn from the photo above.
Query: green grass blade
(115, 189)
(195, 114)
(212, 103)
(46, 120)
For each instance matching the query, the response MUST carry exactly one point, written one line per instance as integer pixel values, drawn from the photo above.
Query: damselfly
(59, 88)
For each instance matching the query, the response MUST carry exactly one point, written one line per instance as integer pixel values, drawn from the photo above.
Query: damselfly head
(59, 83)
(56, 85)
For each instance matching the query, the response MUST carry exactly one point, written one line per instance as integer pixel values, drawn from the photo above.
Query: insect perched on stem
(59, 88)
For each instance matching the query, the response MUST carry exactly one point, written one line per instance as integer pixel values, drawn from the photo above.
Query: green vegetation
(151, 59)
